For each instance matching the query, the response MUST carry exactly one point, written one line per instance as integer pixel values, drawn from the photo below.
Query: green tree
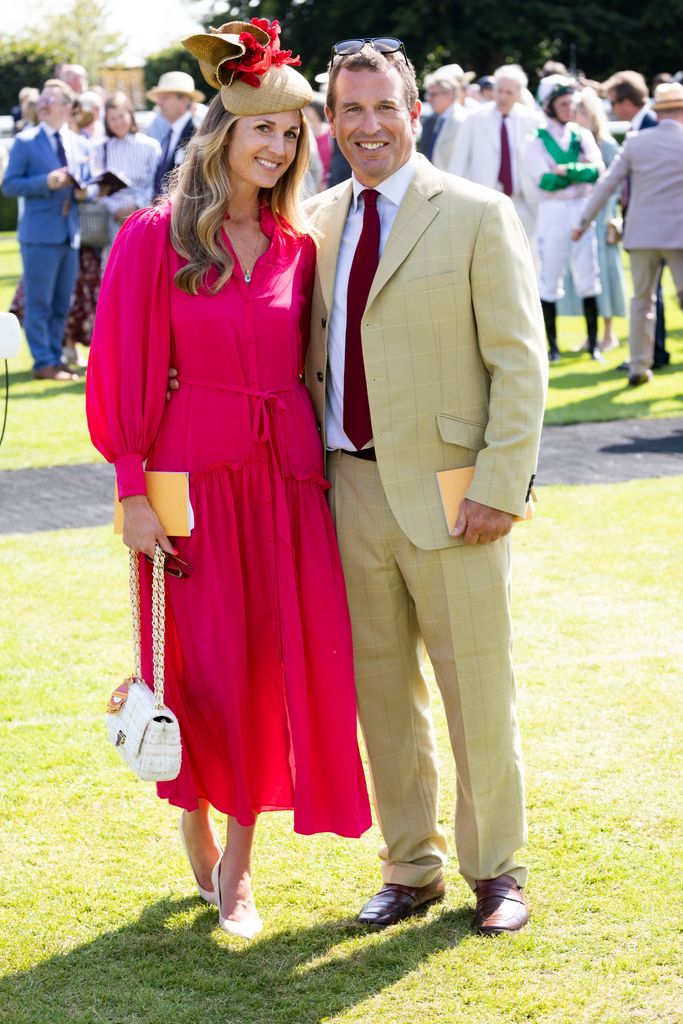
(175, 58)
(481, 34)
(78, 35)
(24, 62)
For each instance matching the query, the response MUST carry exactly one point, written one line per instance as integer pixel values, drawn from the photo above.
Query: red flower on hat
(258, 59)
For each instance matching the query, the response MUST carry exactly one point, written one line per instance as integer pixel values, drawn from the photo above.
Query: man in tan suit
(440, 364)
(653, 231)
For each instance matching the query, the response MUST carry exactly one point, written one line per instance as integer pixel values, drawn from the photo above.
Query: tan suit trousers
(456, 601)
(645, 266)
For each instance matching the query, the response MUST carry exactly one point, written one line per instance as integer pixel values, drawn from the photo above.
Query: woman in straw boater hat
(217, 279)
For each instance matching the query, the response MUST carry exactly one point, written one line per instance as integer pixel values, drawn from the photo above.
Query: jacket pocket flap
(462, 432)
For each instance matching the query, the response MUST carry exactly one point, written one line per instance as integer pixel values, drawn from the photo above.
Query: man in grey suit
(628, 95)
(653, 161)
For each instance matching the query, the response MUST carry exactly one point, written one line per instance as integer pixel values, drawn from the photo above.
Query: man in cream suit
(426, 354)
(484, 155)
(653, 231)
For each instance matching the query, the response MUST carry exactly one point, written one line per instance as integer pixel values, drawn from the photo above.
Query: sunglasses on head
(383, 44)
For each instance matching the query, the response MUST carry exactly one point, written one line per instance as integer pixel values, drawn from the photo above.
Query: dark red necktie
(505, 173)
(357, 425)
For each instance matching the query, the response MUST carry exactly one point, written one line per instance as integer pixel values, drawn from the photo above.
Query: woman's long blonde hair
(199, 191)
(592, 107)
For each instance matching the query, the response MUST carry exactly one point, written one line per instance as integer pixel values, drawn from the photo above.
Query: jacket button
(319, 375)
(323, 322)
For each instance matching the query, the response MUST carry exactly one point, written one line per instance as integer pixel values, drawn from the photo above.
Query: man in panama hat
(174, 95)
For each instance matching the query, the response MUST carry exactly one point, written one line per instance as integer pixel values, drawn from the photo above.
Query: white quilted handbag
(143, 730)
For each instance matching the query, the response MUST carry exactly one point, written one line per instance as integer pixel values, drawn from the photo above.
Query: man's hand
(480, 524)
(577, 233)
(59, 178)
(560, 169)
(172, 384)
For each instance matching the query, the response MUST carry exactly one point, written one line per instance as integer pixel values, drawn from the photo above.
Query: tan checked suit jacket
(453, 345)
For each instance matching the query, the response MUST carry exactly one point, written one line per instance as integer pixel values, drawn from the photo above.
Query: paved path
(586, 453)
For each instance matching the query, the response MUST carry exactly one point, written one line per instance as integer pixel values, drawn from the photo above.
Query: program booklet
(453, 484)
(169, 496)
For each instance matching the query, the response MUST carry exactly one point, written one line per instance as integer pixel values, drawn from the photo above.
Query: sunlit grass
(99, 918)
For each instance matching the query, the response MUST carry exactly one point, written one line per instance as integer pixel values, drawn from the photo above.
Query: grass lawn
(581, 390)
(98, 917)
(46, 424)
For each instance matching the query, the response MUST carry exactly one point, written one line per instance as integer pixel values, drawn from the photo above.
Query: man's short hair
(369, 59)
(55, 83)
(626, 85)
(515, 72)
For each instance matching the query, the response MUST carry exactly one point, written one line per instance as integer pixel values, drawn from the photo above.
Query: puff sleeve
(129, 358)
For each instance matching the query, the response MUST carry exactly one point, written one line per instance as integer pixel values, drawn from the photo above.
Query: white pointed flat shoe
(244, 929)
(208, 895)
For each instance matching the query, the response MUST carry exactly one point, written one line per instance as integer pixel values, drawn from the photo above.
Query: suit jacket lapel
(414, 216)
(330, 221)
(492, 126)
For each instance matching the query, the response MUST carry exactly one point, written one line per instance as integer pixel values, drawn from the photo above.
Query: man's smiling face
(372, 123)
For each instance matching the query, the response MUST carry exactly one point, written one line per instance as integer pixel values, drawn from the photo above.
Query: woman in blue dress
(590, 114)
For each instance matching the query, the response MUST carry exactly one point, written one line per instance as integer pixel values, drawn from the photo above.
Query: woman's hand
(172, 384)
(142, 530)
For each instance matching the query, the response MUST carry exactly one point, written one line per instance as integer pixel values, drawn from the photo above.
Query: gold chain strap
(158, 619)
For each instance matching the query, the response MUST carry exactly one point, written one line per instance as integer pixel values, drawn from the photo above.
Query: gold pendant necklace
(247, 272)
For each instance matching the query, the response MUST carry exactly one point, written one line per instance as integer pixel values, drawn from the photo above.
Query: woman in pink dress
(216, 281)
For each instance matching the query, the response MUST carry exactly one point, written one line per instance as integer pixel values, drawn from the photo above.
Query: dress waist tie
(266, 400)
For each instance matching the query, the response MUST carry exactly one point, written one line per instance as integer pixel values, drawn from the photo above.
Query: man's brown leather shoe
(636, 379)
(54, 373)
(501, 906)
(394, 902)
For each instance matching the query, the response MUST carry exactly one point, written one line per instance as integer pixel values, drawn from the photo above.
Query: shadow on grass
(43, 388)
(602, 406)
(156, 969)
(667, 442)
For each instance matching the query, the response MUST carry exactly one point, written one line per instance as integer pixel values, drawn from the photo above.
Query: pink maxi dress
(259, 665)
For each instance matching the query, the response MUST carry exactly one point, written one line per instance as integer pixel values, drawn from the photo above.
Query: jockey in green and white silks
(563, 160)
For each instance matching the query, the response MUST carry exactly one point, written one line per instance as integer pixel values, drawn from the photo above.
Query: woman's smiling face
(260, 149)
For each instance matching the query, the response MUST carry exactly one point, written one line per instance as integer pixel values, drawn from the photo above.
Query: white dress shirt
(52, 134)
(391, 194)
(637, 119)
(175, 133)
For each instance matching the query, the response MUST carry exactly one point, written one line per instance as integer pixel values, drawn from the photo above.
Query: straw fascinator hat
(245, 62)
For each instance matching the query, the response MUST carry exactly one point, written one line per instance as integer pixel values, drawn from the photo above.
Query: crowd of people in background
(80, 166)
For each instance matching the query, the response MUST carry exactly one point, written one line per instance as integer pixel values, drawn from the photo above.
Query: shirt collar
(177, 126)
(638, 118)
(392, 188)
